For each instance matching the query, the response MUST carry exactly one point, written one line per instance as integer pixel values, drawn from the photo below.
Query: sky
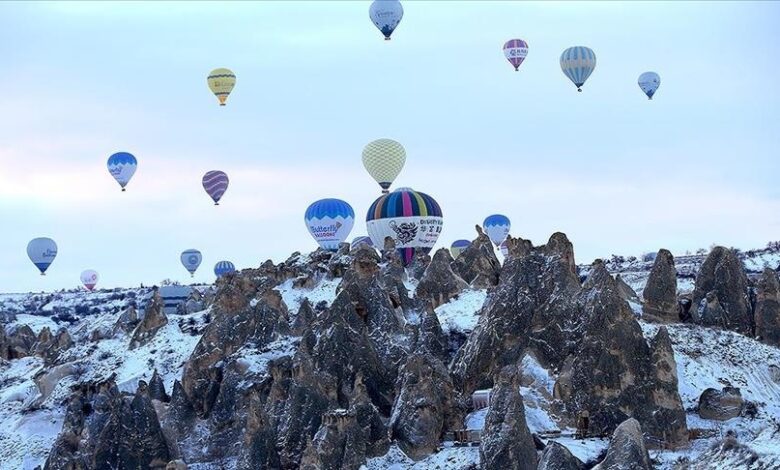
(696, 166)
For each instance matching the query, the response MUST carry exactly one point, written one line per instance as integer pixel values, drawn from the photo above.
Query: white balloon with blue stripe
(42, 252)
(329, 221)
(578, 63)
(649, 83)
(224, 267)
(191, 259)
(122, 166)
(497, 227)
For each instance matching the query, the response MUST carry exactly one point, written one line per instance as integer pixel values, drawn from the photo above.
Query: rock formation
(478, 264)
(154, 319)
(627, 449)
(722, 279)
(768, 308)
(720, 405)
(558, 457)
(660, 294)
(439, 283)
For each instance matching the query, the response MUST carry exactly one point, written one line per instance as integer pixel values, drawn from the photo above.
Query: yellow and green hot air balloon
(384, 159)
(221, 83)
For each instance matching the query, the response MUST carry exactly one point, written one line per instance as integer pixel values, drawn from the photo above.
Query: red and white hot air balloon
(89, 278)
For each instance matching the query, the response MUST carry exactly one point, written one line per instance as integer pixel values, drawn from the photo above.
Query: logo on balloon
(404, 232)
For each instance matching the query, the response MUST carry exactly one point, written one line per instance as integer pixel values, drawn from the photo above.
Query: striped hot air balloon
(515, 51)
(361, 239)
(215, 183)
(578, 63)
(122, 166)
(221, 82)
(497, 227)
(384, 159)
(458, 247)
(223, 267)
(191, 260)
(411, 218)
(329, 222)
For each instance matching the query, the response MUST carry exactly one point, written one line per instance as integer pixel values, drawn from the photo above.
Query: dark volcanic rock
(710, 312)
(768, 308)
(49, 346)
(506, 442)
(558, 457)
(535, 305)
(430, 336)
(16, 342)
(154, 319)
(126, 322)
(478, 264)
(722, 273)
(439, 283)
(625, 291)
(626, 449)
(426, 405)
(720, 405)
(303, 319)
(614, 374)
(660, 293)
(157, 388)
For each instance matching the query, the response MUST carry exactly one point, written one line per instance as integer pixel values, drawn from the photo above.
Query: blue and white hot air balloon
(386, 14)
(224, 267)
(649, 83)
(122, 166)
(458, 247)
(497, 228)
(578, 63)
(362, 239)
(329, 221)
(191, 260)
(42, 252)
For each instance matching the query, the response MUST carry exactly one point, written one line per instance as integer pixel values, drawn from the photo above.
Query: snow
(36, 323)
(537, 389)
(584, 449)
(476, 419)
(449, 457)
(293, 297)
(461, 314)
(256, 362)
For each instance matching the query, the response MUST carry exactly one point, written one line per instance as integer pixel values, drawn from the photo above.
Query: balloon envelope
(215, 183)
(89, 278)
(411, 218)
(504, 249)
(578, 63)
(386, 14)
(191, 259)
(384, 159)
(515, 51)
(221, 82)
(329, 221)
(223, 267)
(649, 83)
(458, 247)
(497, 227)
(361, 239)
(122, 166)
(42, 252)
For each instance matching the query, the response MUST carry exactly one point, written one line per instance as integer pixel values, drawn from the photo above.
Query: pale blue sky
(618, 173)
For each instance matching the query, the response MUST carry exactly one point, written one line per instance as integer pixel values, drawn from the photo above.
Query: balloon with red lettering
(89, 278)
(329, 221)
(412, 219)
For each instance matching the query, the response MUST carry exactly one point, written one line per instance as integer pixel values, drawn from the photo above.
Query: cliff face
(343, 360)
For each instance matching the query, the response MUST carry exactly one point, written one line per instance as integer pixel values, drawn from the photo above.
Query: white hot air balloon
(386, 14)
(649, 83)
(89, 278)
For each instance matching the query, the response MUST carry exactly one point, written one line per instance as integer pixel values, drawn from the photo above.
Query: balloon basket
(123, 189)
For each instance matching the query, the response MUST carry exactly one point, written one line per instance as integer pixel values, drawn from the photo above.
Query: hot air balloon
(215, 183)
(458, 247)
(191, 260)
(223, 267)
(578, 63)
(649, 83)
(221, 82)
(386, 14)
(497, 227)
(384, 159)
(515, 51)
(504, 249)
(122, 166)
(413, 219)
(89, 278)
(329, 221)
(42, 252)
(362, 239)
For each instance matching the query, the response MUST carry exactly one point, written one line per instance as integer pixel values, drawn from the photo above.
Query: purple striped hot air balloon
(515, 51)
(215, 183)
